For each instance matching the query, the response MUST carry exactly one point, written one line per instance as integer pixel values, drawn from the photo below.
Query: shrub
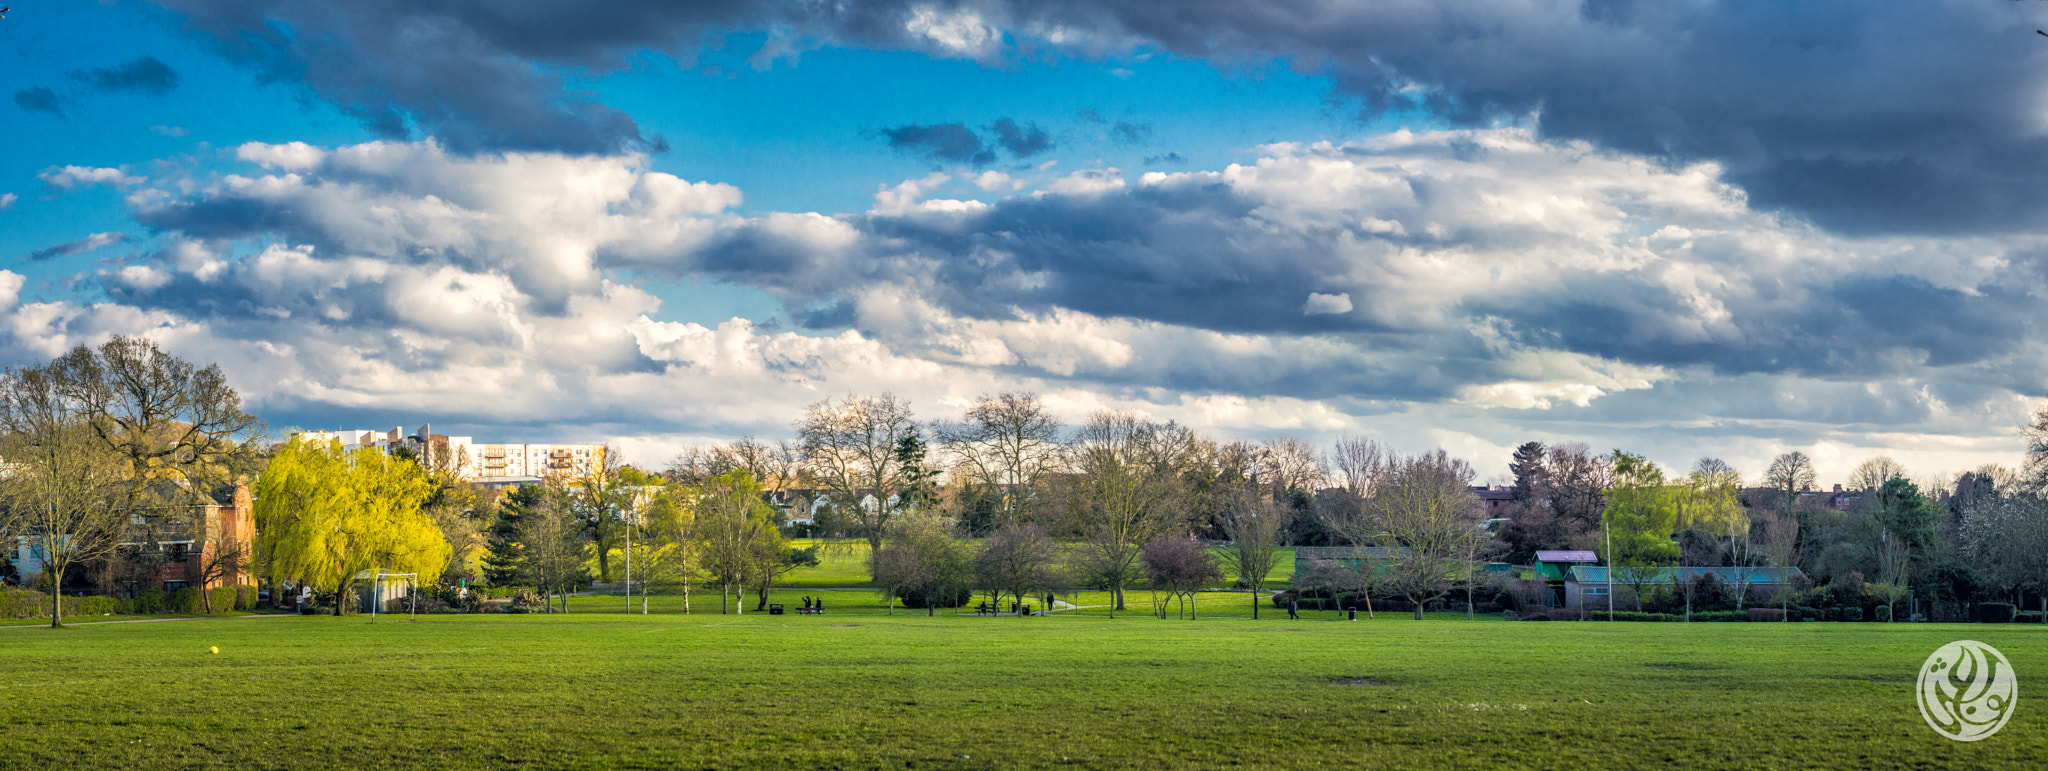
(224, 598)
(1720, 615)
(949, 597)
(1884, 613)
(149, 601)
(1995, 612)
(245, 597)
(526, 601)
(1806, 613)
(1567, 614)
(1766, 614)
(1536, 617)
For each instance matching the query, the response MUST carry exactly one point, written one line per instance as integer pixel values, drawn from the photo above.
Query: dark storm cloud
(1880, 116)
(39, 99)
(146, 75)
(1021, 140)
(951, 142)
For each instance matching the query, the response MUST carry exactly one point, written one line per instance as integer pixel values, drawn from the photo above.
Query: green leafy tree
(324, 515)
(505, 562)
(736, 527)
(1640, 517)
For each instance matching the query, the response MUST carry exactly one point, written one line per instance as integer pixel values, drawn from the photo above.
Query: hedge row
(24, 603)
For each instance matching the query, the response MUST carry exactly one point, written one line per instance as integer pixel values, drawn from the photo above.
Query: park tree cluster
(998, 506)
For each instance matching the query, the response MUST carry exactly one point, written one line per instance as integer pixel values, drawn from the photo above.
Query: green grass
(858, 690)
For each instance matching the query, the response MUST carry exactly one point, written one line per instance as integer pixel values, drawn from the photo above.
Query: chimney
(1838, 488)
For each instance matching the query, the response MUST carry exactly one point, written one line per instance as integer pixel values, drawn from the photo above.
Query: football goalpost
(411, 594)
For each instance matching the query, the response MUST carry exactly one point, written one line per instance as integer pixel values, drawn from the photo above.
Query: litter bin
(775, 609)
(1027, 610)
(1354, 614)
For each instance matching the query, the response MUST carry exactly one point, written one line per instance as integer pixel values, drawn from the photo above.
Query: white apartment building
(478, 462)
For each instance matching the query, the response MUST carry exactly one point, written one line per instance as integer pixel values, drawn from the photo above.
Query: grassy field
(859, 690)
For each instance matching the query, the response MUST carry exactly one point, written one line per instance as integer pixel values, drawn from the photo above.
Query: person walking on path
(1293, 606)
(1048, 602)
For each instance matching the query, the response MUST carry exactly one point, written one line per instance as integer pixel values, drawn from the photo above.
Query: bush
(1995, 612)
(1884, 612)
(224, 598)
(1536, 617)
(1807, 613)
(526, 601)
(149, 601)
(950, 597)
(1720, 616)
(1766, 614)
(1567, 614)
(245, 597)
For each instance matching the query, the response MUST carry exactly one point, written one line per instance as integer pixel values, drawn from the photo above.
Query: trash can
(1027, 610)
(775, 609)
(1354, 614)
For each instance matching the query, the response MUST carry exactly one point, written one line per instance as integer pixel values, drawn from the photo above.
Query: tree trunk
(1418, 611)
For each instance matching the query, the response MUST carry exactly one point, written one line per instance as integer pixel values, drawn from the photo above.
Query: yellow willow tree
(325, 515)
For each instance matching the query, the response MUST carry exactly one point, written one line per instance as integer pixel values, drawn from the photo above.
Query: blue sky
(1707, 229)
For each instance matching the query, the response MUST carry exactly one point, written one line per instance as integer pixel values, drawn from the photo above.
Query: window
(175, 552)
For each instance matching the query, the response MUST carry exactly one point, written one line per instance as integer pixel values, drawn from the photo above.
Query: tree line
(108, 444)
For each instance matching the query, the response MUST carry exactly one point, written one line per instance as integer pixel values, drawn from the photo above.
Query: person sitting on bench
(807, 606)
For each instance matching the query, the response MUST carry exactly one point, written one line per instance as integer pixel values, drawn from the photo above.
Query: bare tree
(1870, 475)
(1790, 474)
(2033, 473)
(1254, 522)
(1181, 567)
(1008, 444)
(2005, 539)
(850, 448)
(1018, 561)
(554, 542)
(179, 429)
(1285, 465)
(1361, 467)
(1781, 546)
(221, 559)
(1126, 488)
(64, 493)
(1431, 518)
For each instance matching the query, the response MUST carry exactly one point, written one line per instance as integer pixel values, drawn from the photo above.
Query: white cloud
(292, 156)
(6, 201)
(960, 32)
(395, 277)
(70, 177)
(1322, 304)
(169, 131)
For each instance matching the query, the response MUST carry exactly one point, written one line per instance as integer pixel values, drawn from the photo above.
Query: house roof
(1596, 574)
(1492, 493)
(1566, 556)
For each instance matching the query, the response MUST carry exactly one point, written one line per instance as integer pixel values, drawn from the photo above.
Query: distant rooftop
(1567, 556)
